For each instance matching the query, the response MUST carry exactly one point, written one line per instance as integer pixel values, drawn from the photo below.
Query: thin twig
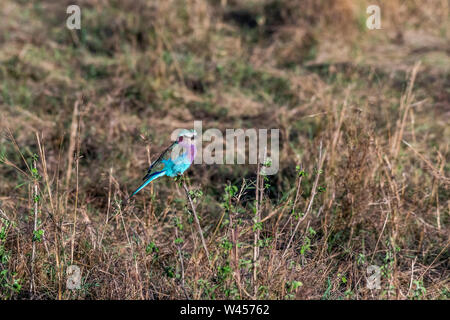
(108, 207)
(406, 102)
(412, 276)
(72, 145)
(33, 252)
(4, 214)
(181, 263)
(45, 172)
(435, 172)
(294, 206)
(313, 195)
(438, 255)
(197, 222)
(77, 160)
(256, 231)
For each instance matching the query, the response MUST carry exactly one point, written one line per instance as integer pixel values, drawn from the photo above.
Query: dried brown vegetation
(364, 152)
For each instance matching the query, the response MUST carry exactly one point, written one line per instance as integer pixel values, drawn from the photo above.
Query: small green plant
(224, 272)
(343, 278)
(245, 263)
(195, 194)
(349, 293)
(2, 156)
(230, 192)
(170, 271)
(207, 288)
(34, 171)
(292, 288)
(178, 223)
(445, 294)
(10, 285)
(326, 294)
(37, 235)
(226, 244)
(306, 246)
(151, 248)
(257, 225)
(265, 242)
(300, 171)
(361, 259)
(263, 292)
(388, 262)
(419, 290)
(311, 231)
(267, 163)
(232, 292)
(297, 215)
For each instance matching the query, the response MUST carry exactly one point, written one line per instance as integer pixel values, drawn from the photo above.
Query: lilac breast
(192, 153)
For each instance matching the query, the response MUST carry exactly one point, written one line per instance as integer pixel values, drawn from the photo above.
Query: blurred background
(83, 112)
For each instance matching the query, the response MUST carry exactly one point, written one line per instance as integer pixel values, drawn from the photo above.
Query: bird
(173, 161)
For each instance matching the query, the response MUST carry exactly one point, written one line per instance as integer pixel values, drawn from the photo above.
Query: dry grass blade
(35, 197)
(197, 222)
(435, 172)
(311, 200)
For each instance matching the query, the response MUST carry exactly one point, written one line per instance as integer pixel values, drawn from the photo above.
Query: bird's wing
(157, 165)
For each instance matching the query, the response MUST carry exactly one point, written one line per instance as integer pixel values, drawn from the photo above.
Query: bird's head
(187, 135)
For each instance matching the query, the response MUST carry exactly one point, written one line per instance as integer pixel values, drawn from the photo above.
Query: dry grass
(364, 152)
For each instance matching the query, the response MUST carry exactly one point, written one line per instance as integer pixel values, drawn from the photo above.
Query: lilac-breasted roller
(176, 159)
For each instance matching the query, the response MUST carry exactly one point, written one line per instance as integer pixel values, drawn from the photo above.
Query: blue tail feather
(150, 178)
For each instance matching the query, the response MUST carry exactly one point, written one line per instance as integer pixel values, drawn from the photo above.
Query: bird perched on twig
(174, 161)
